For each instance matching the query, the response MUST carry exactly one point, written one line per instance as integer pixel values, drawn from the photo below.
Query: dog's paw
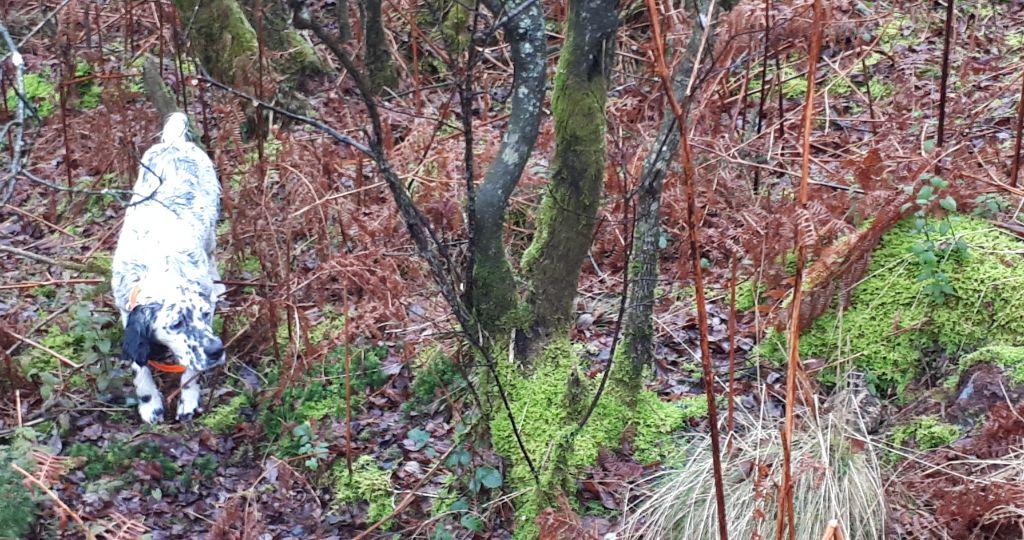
(152, 412)
(188, 406)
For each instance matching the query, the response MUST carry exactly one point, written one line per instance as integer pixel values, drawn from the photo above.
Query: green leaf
(472, 522)
(489, 477)
(460, 505)
(459, 456)
(419, 437)
(440, 533)
(948, 204)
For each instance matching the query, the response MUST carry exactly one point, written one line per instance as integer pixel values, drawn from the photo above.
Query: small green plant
(315, 450)
(89, 91)
(322, 396)
(40, 93)
(929, 253)
(437, 374)
(926, 433)
(988, 205)
(88, 338)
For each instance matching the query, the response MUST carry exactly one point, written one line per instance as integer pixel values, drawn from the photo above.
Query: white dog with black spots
(164, 276)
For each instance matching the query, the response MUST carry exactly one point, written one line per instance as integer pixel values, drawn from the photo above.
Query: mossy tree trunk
(221, 36)
(637, 348)
(224, 38)
(379, 69)
(567, 214)
(298, 59)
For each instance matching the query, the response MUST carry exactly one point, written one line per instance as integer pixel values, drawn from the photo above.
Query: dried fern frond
(49, 469)
(121, 527)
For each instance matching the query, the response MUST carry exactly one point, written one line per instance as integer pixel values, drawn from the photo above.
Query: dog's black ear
(138, 335)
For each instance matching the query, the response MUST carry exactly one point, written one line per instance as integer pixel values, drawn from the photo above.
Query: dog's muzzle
(214, 351)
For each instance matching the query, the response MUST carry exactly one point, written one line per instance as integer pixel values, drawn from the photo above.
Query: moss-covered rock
(542, 410)
(891, 321)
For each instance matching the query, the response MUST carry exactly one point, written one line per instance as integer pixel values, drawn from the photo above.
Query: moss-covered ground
(891, 327)
(539, 404)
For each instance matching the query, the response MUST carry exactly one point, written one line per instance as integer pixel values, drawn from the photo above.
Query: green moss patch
(891, 320)
(926, 432)
(17, 504)
(540, 406)
(368, 484)
(225, 417)
(40, 92)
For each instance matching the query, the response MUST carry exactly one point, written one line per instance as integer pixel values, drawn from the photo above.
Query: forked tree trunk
(567, 214)
(297, 58)
(224, 38)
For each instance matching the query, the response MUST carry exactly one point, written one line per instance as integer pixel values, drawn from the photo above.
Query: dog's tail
(175, 128)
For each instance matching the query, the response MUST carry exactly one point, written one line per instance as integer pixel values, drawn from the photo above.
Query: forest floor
(309, 234)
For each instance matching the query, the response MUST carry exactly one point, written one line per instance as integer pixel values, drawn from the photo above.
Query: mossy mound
(540, 405)
(368, 484)
(891, 322)
(1009, 358)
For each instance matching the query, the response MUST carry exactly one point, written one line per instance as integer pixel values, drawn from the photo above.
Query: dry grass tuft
(835, 475)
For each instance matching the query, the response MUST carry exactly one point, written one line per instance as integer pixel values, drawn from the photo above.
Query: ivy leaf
(948, 204)
(489, 477)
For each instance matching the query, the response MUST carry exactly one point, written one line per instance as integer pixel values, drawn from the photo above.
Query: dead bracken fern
(120, 527)
(563, 524)
(974, 490)
(49, 469)
(834, 477)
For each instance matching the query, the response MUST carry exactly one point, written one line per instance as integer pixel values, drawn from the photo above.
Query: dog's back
(170, 224)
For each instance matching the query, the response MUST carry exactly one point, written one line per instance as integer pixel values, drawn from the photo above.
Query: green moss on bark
(565, 220)
(223, 38)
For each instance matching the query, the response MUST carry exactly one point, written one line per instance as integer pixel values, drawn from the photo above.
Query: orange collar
(167, 368)
(133, 300)
(133, 297)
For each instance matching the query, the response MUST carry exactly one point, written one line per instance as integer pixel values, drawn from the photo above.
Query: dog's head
(179, 319)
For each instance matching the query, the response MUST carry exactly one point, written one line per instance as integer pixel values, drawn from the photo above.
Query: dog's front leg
(151, 402)
(188, 400)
